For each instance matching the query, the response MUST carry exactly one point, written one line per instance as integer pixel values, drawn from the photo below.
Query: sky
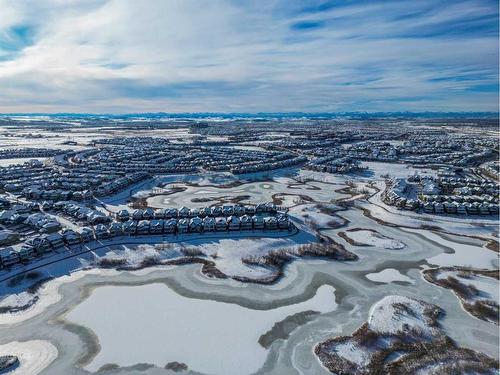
(127, 56)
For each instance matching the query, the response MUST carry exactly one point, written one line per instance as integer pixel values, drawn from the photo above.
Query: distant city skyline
(231, 56)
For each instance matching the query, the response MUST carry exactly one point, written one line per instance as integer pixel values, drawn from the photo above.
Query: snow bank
(388, 276)
(387, 317)
(34, 356)
(373, 238)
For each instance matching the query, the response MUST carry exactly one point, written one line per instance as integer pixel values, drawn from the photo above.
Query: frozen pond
(153, 324)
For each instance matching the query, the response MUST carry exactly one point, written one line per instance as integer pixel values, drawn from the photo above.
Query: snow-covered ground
(19, 300)
(460, 254)
(34, 356)
(47, 295)
(373, 238)
(208, 336)
(488, 287)
(391, 316)
(388, 276)
(312, 214)
(387, 318)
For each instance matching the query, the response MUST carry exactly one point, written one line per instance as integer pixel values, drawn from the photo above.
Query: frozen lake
(153, 324)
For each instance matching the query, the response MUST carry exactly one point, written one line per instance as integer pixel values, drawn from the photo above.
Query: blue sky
(127, 56)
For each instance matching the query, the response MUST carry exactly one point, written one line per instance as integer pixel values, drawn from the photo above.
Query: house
(438, 208)
(220, 224)
(51, 226)
(184, 212)
(87, 234)
(8, 237)
(450, 208)
(160, 214)
(227, 210)
(196, 224)
(148, 214)
(115, 229)
(9, 217)
(270, 222)
(258, 222)
(46, 206)
(270, 207)
(429, 207)
(130, 227)
(56, 240)
(8, 256)
(41, 244)
(170, 226)
(216, 211)
(137, 214)
(239, 210)
(70, 237)
(473, 209)
(233, 222)
(208, 224)
(101, 232)
(484, 209)
(171, 213)
(410, 204)
(260, 208)
(205, 211)
(183, 225)
(246, 222)
(461, 210)
(143, 227)
(283, 222)
(123, 215)
(250, 210)
(156, 226)
(26, 252)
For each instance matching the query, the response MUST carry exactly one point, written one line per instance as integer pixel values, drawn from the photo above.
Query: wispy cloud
(269, 55)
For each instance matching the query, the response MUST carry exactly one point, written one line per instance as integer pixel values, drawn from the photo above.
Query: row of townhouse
(38, 221)
(396, 191)
(42, 244)
(421, 149)
(460, 198)
(335, 164)
(54, 179)
(28, 153)
(33, 247)
(120, 183)
(260, 167)
(185, 212)
(78, 212)
(34, 193)
(193, 225)
(458, 208)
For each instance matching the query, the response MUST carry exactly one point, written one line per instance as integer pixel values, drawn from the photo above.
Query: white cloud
(216, 55)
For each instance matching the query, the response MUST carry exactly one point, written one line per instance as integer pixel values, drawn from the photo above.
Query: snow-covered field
(373, 238)
(208, 336)
(386, 317)
(47, 295)
(388, 276)
(460, 254)
(487, 286)
(34, 356)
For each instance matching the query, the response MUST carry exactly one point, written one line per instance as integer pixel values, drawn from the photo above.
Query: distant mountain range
(264, 115)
